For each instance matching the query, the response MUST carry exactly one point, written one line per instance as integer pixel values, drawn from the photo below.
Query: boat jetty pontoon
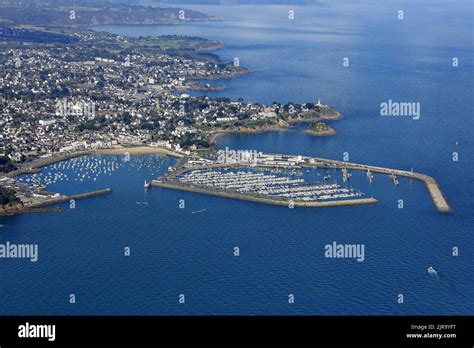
(258, 182)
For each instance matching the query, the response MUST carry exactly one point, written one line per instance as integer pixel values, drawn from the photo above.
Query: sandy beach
(139, 150)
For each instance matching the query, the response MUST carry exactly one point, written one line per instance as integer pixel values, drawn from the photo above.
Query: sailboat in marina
(369, 175)
(395, 179)
(345, 174)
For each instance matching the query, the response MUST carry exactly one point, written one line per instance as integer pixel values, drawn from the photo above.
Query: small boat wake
(432, 272)
(439, 279)
(198, 211)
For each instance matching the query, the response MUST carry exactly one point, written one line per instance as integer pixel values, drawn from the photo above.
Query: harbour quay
(277, 179)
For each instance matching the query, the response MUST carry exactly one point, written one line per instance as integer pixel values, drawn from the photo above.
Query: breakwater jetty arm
(67, 198)
(258, 198)
(40, 206)
(439, 200)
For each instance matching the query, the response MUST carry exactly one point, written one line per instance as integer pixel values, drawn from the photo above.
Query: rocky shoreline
(280, 125)
(10, 210)
(320, 129)
(42, 206)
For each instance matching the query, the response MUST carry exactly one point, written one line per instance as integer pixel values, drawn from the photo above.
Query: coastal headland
(214, 135)
(278, 125)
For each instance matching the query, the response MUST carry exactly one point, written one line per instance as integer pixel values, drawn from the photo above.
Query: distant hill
(231, 2)
(21, 34)
(58, 12)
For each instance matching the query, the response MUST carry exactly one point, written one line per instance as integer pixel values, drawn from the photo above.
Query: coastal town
(65, 100)
(99, 91)
(104, 93)
(96, 92)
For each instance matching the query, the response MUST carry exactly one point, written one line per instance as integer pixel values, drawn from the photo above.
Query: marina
(267, 184)
(53, 181)
(260, 199)
(36, 165)
(259, 183)
(439, 200)
(272, 179)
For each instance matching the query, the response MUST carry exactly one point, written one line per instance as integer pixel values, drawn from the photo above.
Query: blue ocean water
(190, 251)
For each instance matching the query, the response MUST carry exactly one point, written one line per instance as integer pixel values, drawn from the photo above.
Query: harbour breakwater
(42, 206)
(439, 200)
(67, 198)
(258, 198)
